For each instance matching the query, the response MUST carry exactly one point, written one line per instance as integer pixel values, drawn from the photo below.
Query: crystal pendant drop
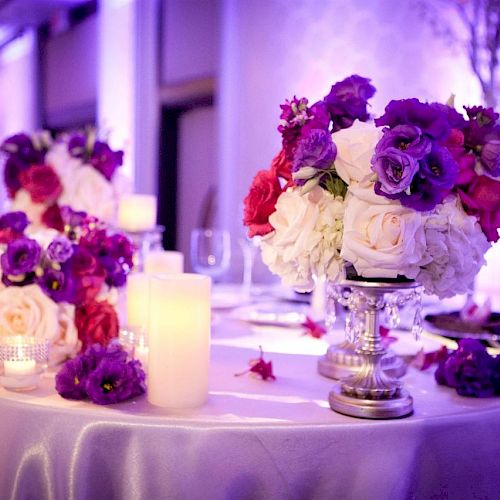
(416, 328)
(392, 313)
(350, 324)
(331, 314)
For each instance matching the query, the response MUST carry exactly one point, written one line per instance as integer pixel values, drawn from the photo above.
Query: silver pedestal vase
(371, 392)
(342, 360)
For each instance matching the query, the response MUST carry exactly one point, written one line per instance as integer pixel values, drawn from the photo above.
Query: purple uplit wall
(275, 49)
(70, 71)
(18, 91)
(190, 45)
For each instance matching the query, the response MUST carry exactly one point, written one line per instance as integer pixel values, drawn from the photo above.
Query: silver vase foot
(396, 407)
(341, 360)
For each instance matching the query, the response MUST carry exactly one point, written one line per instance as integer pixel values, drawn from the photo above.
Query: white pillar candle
(19, 367)
(163, 262)
(179, 340)
(137, 212)
(138, 300)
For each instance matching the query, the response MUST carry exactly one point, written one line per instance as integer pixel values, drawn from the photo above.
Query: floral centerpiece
(413, 194)
(76, 170)
(61, 286)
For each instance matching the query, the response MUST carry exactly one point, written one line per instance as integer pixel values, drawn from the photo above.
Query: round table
(253, 439)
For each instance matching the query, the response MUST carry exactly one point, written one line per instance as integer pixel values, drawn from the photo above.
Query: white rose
(88, 190)
(383, 240)
(355, 149)
(455, 250)
(34, 211)
(26, 310)
(307, 237)
(66, 343)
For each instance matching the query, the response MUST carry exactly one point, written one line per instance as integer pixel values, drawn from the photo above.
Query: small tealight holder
(134, 341)
(23, 360)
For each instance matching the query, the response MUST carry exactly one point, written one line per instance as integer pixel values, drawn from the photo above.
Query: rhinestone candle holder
(23, 360)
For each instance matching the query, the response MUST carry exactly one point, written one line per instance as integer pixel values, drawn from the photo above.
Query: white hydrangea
(455, 250)
(307, 238)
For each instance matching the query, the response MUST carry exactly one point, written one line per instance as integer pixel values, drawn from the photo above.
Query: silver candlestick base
(342, 360)
(371, 392)
(145, 241)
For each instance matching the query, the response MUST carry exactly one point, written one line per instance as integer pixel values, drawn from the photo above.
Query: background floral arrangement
(62, 286)
(76, 170)
(414, 194)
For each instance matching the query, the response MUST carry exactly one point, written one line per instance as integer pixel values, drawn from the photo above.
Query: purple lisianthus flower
(470, 370)
(76, 145)
(120, 248)
(71, 379)
(348, 100)
(60, 249)
(58, 285)
(431, 120)
(12, 170)
(21, 146)
(21, 257)
(112, 382)
(105, 160)
(455, 119)
(395, 170)
(315, 151)
(407, 138)
(434, 180)
(485, 116)
(16, 221)
(96, 353)
(318, 118)
(115, 273)
(490, 157)
(440, 169)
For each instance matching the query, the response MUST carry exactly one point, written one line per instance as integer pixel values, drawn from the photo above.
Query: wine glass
(210, 251)
(249, 248)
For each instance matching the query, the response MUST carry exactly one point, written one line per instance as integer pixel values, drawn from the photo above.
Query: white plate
(272, 313)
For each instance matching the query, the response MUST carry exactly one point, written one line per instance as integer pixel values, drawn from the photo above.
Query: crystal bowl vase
(371, 392)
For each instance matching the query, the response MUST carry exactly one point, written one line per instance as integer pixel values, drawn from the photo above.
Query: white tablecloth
(253, 439)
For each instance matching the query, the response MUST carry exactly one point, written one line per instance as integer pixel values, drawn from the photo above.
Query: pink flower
(96, 322)
(260, 367)
(482, 199)
(281, 166)
(42, 183)
(313, 328)
(260, 203)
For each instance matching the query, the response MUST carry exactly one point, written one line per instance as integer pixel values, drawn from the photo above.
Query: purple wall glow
(71, 68)
(18, 104)
(190, 40)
